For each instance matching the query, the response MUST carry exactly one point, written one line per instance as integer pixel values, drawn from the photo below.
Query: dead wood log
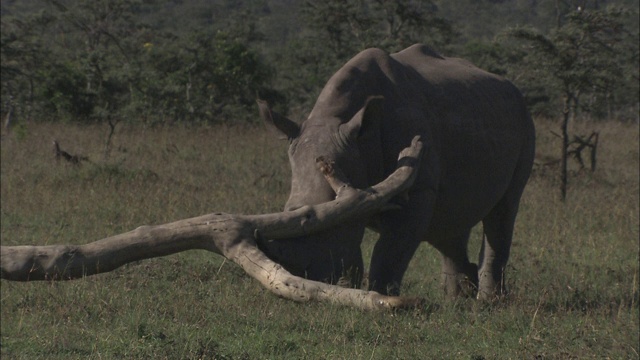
(61, 154)
(579, 143)
(232, 236)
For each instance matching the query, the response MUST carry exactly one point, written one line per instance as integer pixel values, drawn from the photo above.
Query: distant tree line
(96, 60)
(195, 61)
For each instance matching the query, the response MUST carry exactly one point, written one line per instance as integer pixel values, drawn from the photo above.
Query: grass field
(573, 273)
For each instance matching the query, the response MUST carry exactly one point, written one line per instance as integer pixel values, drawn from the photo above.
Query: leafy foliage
(586, 58)
(338, 29)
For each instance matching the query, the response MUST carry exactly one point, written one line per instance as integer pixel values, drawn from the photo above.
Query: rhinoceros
(479, 144)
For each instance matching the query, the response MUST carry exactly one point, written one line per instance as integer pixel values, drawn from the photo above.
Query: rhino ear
(287, 128)
(368, 117)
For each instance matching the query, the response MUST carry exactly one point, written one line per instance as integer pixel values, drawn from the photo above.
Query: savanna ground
(573, 273)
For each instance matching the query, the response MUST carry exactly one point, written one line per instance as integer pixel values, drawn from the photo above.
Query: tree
(23, 59)
(95, 40)
(336, 30)
(581, 58)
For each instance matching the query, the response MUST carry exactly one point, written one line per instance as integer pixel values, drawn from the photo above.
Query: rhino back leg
(401, 231)
(498, 228)
(459, 275)
(494, 253)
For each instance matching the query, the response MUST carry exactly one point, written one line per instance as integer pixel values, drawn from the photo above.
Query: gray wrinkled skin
(479, 148)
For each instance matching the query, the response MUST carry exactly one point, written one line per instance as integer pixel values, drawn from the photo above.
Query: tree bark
(565, 155)
(232, 236)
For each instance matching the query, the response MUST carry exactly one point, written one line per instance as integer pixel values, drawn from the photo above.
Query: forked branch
(232, 236)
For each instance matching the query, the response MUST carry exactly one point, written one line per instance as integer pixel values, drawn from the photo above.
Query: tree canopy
(162, 61)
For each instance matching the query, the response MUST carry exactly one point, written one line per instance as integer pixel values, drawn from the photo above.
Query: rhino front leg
(401, 231)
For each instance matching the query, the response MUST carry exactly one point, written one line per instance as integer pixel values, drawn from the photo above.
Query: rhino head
(334, 255)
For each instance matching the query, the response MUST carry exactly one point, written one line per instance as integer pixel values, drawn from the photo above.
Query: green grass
(573, 273)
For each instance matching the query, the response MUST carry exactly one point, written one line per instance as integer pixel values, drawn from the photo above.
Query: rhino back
(480, 131)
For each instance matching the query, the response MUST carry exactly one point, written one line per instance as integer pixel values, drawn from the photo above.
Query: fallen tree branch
(580, 143)
(61, 154)
(232, 236)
